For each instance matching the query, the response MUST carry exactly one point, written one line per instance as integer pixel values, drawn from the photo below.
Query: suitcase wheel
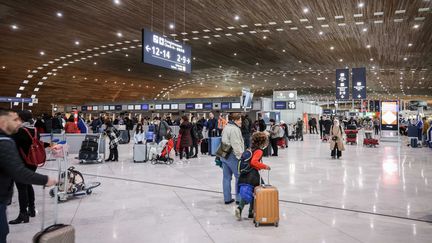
(276, 224)
(89, 191)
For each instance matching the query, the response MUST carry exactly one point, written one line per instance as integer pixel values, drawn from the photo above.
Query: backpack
(36, 155)
(244, 162)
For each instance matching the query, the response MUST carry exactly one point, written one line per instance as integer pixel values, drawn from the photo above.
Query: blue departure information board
(164, 52)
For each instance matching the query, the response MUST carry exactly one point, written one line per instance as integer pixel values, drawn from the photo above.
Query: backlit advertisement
(389, 115)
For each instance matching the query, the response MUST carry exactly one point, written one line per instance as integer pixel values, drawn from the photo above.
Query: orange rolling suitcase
(266, 205)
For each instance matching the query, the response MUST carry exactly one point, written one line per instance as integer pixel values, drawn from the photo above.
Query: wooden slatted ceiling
(95, 25)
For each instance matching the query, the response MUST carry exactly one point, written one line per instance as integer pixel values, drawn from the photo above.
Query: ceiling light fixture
(236, 18)
(77, 43)
(171, 26)
(332, 48)
(361, 5)
(405, 58)
(264, 37)
(410, 44)
(59, 14)
(321, 33)
(117, 2)
(371, 59)
(42, 53)
(209, 43)
(14, 27)
(368, 46)
(119, 34)
(341, 60)
(305, 10)
(416, 26)
(364, 29)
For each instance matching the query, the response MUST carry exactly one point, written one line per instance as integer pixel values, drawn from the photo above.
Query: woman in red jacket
(259, 143)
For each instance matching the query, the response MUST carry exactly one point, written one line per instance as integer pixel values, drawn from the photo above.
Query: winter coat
(194, 134)
(337, 132)
(274, 131)
(232, 135)
(186, 137)
(71, 127)
(162, 129)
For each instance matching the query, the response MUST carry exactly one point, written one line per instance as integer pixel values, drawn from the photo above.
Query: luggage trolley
(70, 181)
(89, 153)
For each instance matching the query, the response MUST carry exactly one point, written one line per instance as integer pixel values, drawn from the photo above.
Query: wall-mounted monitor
(199, 106)
(158, 107)
(225, 106)
(118, 107)
(106, 108)
(111, 107)
(95, 108)
(280, 105)
(174, 106)
(137, 107)
(182, 106)
(166, 106)
(208, 106)
(130, 107)
(190, 106)
(235, 106)
(144, 107)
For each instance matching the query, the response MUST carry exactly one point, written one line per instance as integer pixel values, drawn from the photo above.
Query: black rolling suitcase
(204, 146)
(89, 149)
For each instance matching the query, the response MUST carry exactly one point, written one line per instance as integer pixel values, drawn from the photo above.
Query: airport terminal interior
(193, 121)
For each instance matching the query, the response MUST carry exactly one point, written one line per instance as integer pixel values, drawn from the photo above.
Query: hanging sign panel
(359, 83)
(342, 84)
(292, 105)
(280, 105)
(389, 115)
(164, 52)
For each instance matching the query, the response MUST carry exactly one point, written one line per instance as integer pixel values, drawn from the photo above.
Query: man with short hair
(12, 167)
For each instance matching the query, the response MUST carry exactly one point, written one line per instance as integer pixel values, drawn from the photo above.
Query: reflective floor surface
(378, 194)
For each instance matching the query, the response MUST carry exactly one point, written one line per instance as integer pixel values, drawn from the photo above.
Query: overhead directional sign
(342, 84)
(359, 83)
(292, 105)
(164, 52)
(16, 99)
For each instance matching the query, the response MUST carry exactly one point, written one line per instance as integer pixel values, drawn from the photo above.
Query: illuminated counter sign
(164, 52)
(342, 84)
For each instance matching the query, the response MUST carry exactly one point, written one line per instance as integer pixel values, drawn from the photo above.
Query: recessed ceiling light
(299, 61)
(235, 54)
(3, 67)
(368, 46)
(14, 27)
(321, 33)
(371, 59)
(171, 26)
(341, 60)
(264, 37)
(236, 17)
(209, 43)
(117, 2)
(331, 47)
(95, 63)
(405, 58)
(361, 5)
(77, 43)
(42, 53)
(416, 26)
(119, 34)
(305, 10)
(410, 44)
(59, 14)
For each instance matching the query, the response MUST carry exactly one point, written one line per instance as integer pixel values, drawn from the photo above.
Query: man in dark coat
(186, 137)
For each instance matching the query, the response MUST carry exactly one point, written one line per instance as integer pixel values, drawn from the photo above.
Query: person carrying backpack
(24, 139)
(249, 165)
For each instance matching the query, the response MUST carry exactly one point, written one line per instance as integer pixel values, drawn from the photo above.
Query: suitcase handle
(268, 179)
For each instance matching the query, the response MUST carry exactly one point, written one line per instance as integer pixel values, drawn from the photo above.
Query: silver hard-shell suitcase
(140, 153)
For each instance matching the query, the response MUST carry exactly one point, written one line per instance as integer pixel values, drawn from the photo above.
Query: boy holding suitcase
(252, 177)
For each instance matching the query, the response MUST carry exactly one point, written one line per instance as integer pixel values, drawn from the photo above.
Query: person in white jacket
(139, 136)
(231, 135)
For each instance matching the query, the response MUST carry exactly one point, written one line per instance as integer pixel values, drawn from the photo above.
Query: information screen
(198, 106)
(208, 106)
(225, 106)
(158, 107)
(280, 105)
(112, 107)
(118, 107)
(389, 115)
(190, 106)
(166, 106)
(130, 107)
(106, 107)
(95, 108)
(144, 107)
(235, 105)
(83, 108)
(137, 107)
(174, 106)
(165, 52)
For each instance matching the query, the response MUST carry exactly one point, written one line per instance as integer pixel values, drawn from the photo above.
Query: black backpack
(244, 166)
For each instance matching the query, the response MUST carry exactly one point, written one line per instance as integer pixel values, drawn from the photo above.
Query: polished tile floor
(378, 194)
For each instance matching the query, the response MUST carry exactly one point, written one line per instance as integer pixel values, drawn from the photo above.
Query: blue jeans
(4, 227)
(229, 167)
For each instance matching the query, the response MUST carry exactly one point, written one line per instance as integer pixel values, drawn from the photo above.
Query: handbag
(224, 150)
(334, 138)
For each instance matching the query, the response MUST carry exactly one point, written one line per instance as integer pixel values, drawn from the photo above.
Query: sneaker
(230, 201)
(238, 213)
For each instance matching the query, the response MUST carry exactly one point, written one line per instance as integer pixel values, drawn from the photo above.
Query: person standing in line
(186, 137)
(246, 129)
(12, 167)
(314, 125)
(321, 126)
(232, 136)
(221, 124)
(274, 136)
(139, 136)
(212, 125)
(82, 124)
(376, 124)
(71, 126)
(195, 138)
(113, 135)
(23, 140)
(261, 123)
(162, 129)
(57, 124)
(336, 141)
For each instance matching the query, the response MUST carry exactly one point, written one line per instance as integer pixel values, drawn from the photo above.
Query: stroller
(164, 157)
